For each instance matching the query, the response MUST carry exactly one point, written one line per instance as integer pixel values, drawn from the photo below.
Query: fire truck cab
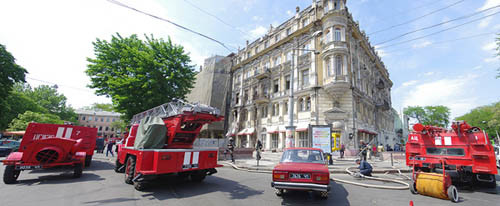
(178, 128)
(466, 151)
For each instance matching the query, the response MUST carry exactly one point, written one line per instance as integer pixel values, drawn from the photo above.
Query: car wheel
(119, 168)
(10, 174)
(453, 193)
(413, 188)
(88, 160)
(279, 192)
(139, 186)
(77, 170)
(198, 176)
(130, 170)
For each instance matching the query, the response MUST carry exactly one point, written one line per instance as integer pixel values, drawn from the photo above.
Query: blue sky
(51, 39)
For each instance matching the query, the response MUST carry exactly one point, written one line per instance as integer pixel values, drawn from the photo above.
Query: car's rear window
(302, 155)
(446, 151)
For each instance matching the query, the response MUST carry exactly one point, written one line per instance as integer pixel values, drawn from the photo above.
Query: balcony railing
(261, 98)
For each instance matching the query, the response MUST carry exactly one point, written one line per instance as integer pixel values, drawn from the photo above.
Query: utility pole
(228, 97)
(290, 129)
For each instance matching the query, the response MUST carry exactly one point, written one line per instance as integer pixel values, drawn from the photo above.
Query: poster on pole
(321, 137)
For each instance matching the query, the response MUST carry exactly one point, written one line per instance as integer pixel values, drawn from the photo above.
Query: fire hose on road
(405, 187)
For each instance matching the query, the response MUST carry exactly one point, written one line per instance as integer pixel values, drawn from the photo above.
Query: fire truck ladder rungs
(174, 108)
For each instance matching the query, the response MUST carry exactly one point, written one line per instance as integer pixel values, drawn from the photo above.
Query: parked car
(302, 169)
(8, 146)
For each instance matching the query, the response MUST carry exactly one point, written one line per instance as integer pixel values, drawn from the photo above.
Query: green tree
(120, 125)
(100, 107)
(47, 97)
(485, 117)
(139, 75)
(22, 121)
(429, 115)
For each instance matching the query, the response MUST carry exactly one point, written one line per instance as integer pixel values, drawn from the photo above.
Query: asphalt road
(100, 185)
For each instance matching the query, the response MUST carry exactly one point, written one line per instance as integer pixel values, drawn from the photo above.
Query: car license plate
(300, 176)
(27, 167)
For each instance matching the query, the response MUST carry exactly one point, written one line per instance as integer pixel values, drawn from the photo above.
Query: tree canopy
(22, 121)
(47, 97)
(429, 115)
(139, 75)
(485, 117)
(100, 107)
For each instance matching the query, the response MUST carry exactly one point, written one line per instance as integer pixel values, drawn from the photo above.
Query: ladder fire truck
(464, 152)
(183, 122)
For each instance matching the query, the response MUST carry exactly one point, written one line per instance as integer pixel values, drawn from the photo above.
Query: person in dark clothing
(258, 148)
(230, 147)
(342, 150)
(109, 148)
(364, 167)
(363, 150)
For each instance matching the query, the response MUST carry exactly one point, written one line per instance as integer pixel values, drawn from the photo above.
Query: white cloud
(409, 83)
(257, 18)
(289, 13)
(487, 4)
(450, 92)
(421, 44)
(491, 59)
(256, 33)
(489, 46)
(381, 52)
(478, 67)
(429, 73)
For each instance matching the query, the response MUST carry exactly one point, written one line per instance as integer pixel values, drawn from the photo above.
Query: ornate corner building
(338, 80)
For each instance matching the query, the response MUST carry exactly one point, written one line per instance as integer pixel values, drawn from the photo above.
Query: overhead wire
(440, 31)
(399, 13)
(439, 24)
(415, 19)
(171, 22)
(52, 83)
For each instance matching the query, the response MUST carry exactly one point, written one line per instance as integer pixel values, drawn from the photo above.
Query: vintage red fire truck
(466, 151)
(51, 145)
(180, 125)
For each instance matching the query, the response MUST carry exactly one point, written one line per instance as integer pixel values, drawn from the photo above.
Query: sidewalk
(271, 159)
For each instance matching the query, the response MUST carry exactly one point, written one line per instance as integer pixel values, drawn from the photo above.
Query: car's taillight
(321, 177)
(277, 175)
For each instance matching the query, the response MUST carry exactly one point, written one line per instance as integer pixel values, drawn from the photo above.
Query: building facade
(210, 88)
(101, 120)
(338, 80)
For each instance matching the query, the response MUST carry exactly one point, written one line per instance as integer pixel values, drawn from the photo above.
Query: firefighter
(364, 167)
(230, 147)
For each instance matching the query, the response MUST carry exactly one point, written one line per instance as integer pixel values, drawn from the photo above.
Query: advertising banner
(321, 138)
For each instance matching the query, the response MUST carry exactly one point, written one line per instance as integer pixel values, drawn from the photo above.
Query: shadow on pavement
(337, 196)
(172, 186)
(63, 178)
(112, 200)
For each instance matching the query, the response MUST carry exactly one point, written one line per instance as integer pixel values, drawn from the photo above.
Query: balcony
(261, 98)
(275, 69)
(336, 85)
(262, 73)
(304, 59)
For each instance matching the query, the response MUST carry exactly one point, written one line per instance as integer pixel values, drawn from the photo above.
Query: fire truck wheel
(77, 170)
(453, 193)
(413, 188)
(10, 174)
(88, 160)
(198, 176)
(130, 170)
(139, 186)
(119, 168)
(492, 184)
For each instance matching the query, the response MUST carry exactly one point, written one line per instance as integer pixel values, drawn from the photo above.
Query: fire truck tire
(130, 170)
(492, 184)
(453, 193)
(119, 168)
(139, 186)
(88, 160)
(10, 174)
(77, 170)
(198, 176)
(413, 188)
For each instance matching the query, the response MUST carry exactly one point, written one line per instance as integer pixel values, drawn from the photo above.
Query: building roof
(97, 113)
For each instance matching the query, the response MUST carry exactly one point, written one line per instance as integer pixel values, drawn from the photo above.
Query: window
(113, 120)
(277, 38)
(263, 111)
(100, 128)
(83, 117)
(90, 118)
(237, 101)
(306, 49)
(248, 55)
(305, 21)
(288, 56)
(285, 109)
(266, 44)
(276, 85)
(288, 31)
(107, 119)
(274, 141)
(338, 65)
(303, 139)
(328, 36)
(256, 49)
(327, 6)
(106, 129)
(305, 77)
(275, 110)
(287, 82)
(336, 5)
(338, 34)
(112, 129)
(301, 104)
(102, 119)
(328, 66)
(277, 60)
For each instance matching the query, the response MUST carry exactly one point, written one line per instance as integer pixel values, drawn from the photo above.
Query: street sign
(321, 137)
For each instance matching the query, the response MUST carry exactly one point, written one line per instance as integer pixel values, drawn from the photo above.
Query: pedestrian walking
(374, 149)
(109, 148)
(230, 147)
(342, 149)
(362, 150)
(258, 148)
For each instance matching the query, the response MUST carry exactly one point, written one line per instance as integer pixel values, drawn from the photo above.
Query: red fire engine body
(183, 122)
(466, 151)
(51, 145)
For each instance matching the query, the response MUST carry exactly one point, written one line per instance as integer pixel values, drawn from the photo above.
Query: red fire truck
(466, 152)
(51, 145)
(180, 123)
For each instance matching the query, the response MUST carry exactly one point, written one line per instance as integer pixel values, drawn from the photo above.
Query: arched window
(308, 103)
(328, 66)
(328, 36)
(338, 35)
(301, 104)
(336, 4)
(338, 65)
